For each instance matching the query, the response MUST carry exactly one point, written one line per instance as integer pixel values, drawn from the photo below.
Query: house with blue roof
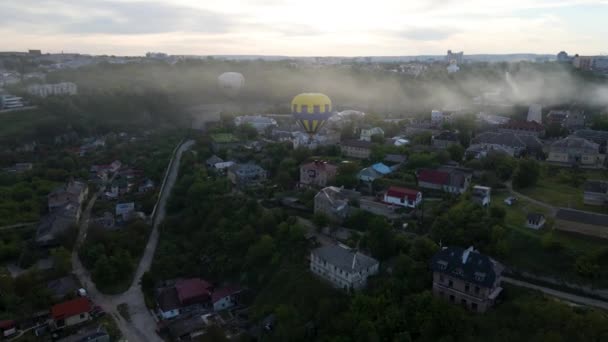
(382, 168)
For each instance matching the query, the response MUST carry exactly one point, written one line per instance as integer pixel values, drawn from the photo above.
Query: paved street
(142, 326)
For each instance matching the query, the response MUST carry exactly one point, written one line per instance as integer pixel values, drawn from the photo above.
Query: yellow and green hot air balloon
(311, 110)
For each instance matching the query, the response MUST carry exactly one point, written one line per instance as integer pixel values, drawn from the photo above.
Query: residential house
(72, 192)
(515, 144)
(395, 161)
(598, 137)
(359, 149)
(535, 221)
(369, 174)
(407, 198)
(380, 208)
(422, 128)
(146, 186)
(62, 287)
(557, 117)
(368, 132)
(345, 268)
(478, 151)
(576, 151)
(445, 139)
(481, 195)
(466, 277)
(260, 123)
(440, 117)
(54, 225)
(334, 202)
(523, 128)
(450, 180)
(185, 295)
(89, 335)
(223, 167)
(223, 141)
(210, 163)
(582, 222)
(8, 327)
(20, 167)
(246, 175)
(225, 298)
(595, 192)
(70, 313)
(317, 173)
(106, 220)
(125, 210)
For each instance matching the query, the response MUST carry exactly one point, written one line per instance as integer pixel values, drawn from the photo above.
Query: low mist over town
(380, 184)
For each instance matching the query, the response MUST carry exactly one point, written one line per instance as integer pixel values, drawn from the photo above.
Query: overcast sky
(305, 27)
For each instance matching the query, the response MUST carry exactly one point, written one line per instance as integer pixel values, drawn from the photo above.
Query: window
(441, 278)
(477, 289)
(474, 306)
(450, 283)
(463, 302)
(82, 316)
(466, 288)
(452, 298)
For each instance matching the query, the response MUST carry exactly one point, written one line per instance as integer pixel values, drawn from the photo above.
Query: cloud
(427, 34)
(111, 17)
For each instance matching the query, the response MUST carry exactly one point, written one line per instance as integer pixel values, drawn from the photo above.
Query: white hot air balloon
(231, 83)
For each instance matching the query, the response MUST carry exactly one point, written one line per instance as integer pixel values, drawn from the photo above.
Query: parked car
(510, 200)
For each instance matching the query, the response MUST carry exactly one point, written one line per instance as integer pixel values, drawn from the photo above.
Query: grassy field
(552, 190)
(527, 251)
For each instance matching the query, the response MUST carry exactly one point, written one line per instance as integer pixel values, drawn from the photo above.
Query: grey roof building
(466, 277)
(344, 268)
(573, 150)
(582, 222)
(519, 144)
(595, 192)
(246, 175)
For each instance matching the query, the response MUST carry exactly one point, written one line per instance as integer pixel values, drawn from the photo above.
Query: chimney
(465, 254)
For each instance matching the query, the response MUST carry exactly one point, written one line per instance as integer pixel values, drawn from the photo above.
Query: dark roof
(395, 158)
(599, 137)
(521, 125)
(224, 292)
(343, 258)
(357, 143)
(446, 135)
(186, 326)
(596, 186)
(509, 139)
(167, 299)
(535, 217)
(466, 264)
(71, 308)
(61, 287)
(582, 217)
(214, 160)
(575, 142)
(395, 191)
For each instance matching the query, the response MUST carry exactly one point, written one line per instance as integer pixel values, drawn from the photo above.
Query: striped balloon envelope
(311, 110)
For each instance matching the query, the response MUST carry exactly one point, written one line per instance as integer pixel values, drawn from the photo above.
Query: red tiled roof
(191, 288)
(433, 176)
(398, 192)
(223, 292)
(71, 308)
(7, 324)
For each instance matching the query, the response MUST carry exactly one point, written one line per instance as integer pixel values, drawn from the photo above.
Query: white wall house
(344, 268)
(403, 197)
(482, 195)
(44, 90)
(367, 133)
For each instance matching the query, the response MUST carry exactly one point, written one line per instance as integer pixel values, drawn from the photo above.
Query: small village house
(403, 197)
(317, 173)
(71, 313)
(535, 221)
(359, 149)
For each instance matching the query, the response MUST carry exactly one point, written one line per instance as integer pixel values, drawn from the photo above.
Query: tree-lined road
(142, 325)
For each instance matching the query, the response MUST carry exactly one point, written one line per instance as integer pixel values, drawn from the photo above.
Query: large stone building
(466, 277)
(576, 151)
(345, 268)
(515, 145)
(359, 149)
(44, 90)
(523, 128)
(317, 173)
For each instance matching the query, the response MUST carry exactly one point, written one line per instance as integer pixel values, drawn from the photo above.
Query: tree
(456, 152)
(62, 259)
(526, 174)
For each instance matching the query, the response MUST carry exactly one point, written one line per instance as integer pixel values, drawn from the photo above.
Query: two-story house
(246, 175)
(445, 179)
(445, 139)
(70, 313)
(359, 149)
(576, 151)
(466, 277)
(345, 268)
(333, 202)
(317, 173)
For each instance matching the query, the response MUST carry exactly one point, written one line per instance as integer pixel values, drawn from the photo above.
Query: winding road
(142, 325)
